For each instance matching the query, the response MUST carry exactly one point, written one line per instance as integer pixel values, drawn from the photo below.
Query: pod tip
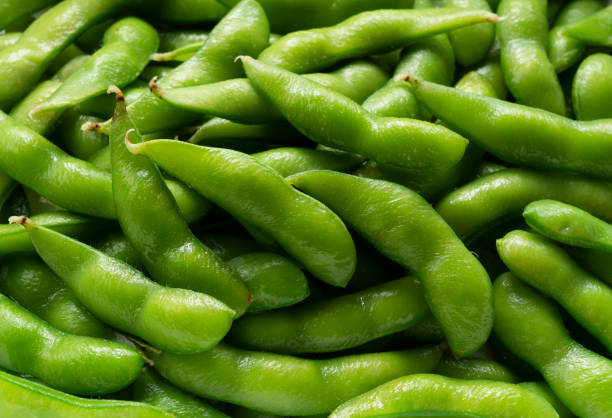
(133, 148)
(155, 88)
(243, 58)
(112, 89)
(408, 78)
(21, 220)
(91, 126)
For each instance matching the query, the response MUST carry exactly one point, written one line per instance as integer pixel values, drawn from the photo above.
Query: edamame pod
(173, 39)
(12, 10)
(545, 266)
(563, 50)
(433, 395)
(366, 33)
(218, 132)
(396, 220)
(76, 364)
(531, 327)
(238, 101)
(530, 76)
(14, 239)
(500, 196)
(336, 121)
(167, 247)
(117, 246)
(273, 281)
(24, 398)
(289, 16)
(254, 193)
(593, 29)
(244, 30)
(568, 224)
(592, 88)
(471, 44)
(475, 369)
(79, 143)
(598, 263)
(27, 280)
(287, 385)
(42, 166)
(125, 51)
(177, 320)
(335, 324)
(544, 391)
(22, 64)
(21, 112)
(546, 140)
(151, 389)
(292, 160)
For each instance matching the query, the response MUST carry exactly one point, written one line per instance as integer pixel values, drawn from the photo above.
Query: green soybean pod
(237, 99)
(471, 44)
(530, 76)
(22, 64)
(475, 369)
(289, 16)
(13, 10)
(173, 39)
(554, 142)
(177, 320)
(79, 143)
(591, 88)
(594, 29)
(341, 123)
(404, 227)
(598, 263)
(14, 239)
(335, 324)
(273, 280)
(286, 385)
(168, 249)
(563, 50)
(568, 224)
(500, 196)
(431, 58)
(365, 34)
(27, 280)
(545, 266)
(182, 11)
(544, 391)
(76, 364)
(244, 30)
(24, 398)
(291, 160)
(531, 327)
(21, 112)
(117, 246)
(254, 193)
(125, 51)
(39, 164)
(433, 395)
(228, 246)
(151, 389)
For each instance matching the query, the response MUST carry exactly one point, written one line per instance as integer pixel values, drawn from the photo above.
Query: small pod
(287, 385)
(594, 29)
(335, 324)
(545, 266)
(273, 280)
(170, 252)
(333, 120)
(569, 225)
(531, 78)
(531, 327)
(24, 398)
(500, 196)
(69, 182)
(292, 160)
(177, 320)
(433, 395)
(366, 33)
(125, 51)
(592, 88)
(27, 280)
(45, 39)
(75, 364)
(257, 195)
(405, 228)
(151, 389)
(546, 140)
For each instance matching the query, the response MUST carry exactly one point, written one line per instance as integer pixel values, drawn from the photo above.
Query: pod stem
(155, 88)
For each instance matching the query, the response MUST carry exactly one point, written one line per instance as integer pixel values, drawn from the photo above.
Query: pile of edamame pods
(279, 208)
